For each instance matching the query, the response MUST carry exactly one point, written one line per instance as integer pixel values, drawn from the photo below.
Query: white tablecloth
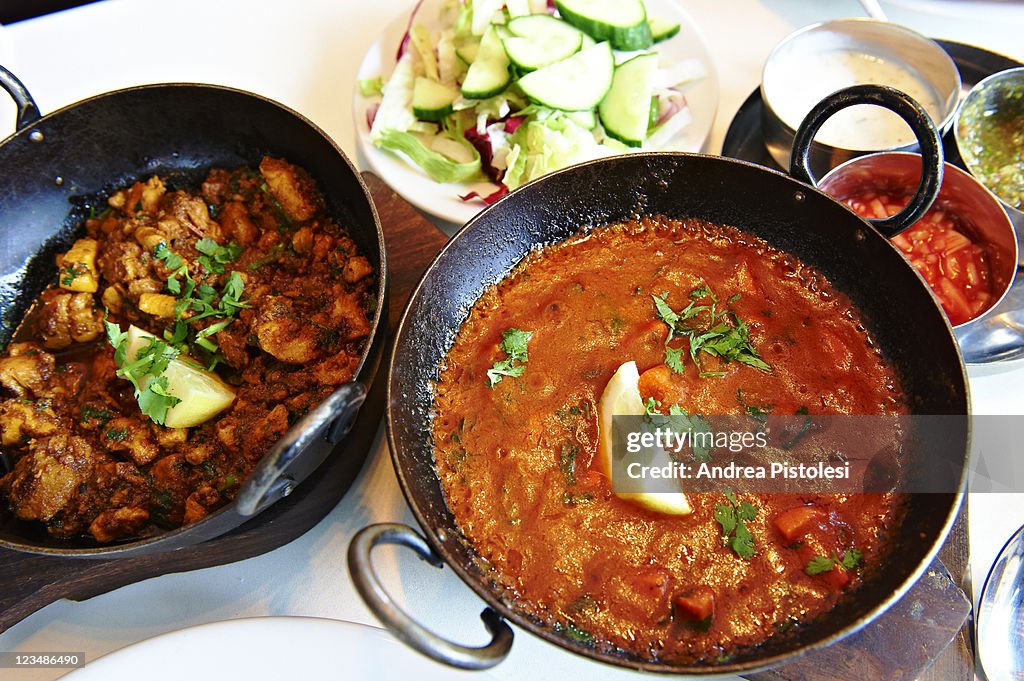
(305, 53)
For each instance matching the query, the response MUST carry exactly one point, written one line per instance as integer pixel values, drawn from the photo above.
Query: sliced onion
(501, 191)
(408, 29)
(670, 102)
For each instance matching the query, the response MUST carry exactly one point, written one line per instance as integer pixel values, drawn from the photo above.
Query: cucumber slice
(578, 83)
(626, 110)
(488, 74)
(622, 22)
(584, 119)
(652, 119)
(467, 53)
(431, 101)
(541, 26)
(662, 29)
(540, 39)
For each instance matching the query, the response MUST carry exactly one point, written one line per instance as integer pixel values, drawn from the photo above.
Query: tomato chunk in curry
(516, 448)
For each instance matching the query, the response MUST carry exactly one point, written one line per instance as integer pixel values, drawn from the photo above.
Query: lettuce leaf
(547, 145)
(395, 112)
(483, 14)
(450, 67)
(440, 168)
(516, 161)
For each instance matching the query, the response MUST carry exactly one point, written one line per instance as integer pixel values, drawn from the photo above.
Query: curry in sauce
(516, 432)
(244, 293)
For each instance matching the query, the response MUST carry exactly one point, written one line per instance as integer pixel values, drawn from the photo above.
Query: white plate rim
(442, 200)
(119, 663)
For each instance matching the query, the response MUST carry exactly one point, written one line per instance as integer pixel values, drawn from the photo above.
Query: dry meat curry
(717, 322)
(186, 332)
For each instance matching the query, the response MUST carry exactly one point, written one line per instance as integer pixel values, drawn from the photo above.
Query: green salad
(509, 90)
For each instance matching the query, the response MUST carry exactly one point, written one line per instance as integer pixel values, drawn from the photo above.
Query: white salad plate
(269, 649)
(442, 200)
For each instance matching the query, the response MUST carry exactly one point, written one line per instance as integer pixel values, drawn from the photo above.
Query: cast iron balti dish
(855, 256)
(56, 167)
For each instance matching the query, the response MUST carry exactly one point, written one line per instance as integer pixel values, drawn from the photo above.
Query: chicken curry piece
(246, 281)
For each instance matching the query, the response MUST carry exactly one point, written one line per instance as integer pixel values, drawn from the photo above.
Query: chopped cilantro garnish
(665, 312)
(679, 420)
(272, 255)
(804, 428)
(173, 262)
(710, 330)
(196, 301)
(851, 559)
(573, 632)
(145, 372)
(819, 564)
(513, 344)
(759, 412)
(214, 256)
(69, 273)
(732, 518)
(91, 413)
(567, 462)
(284, 221)
(576, 499)
(229, 481)
(651, 409)
(703, 291)
(674, 359)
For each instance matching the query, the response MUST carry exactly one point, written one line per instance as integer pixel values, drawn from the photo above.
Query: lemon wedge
(203, 395)
(621, 397)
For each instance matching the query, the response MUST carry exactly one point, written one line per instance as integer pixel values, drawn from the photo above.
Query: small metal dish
(989, 135)
(959, 194)
(822, 58)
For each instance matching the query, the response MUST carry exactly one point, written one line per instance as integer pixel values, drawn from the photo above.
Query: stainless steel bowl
(822, 58)
(959, 194)
(990, 137)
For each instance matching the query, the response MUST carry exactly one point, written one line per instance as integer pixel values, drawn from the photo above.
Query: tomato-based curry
(516, 433)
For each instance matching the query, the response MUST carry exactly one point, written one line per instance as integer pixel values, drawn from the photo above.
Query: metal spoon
(873, 9)
(1000, 641)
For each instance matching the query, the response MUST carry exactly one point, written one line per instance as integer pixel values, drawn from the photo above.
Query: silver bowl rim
(949, 115)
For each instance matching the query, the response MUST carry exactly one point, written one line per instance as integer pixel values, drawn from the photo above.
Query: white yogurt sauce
(796, 88)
